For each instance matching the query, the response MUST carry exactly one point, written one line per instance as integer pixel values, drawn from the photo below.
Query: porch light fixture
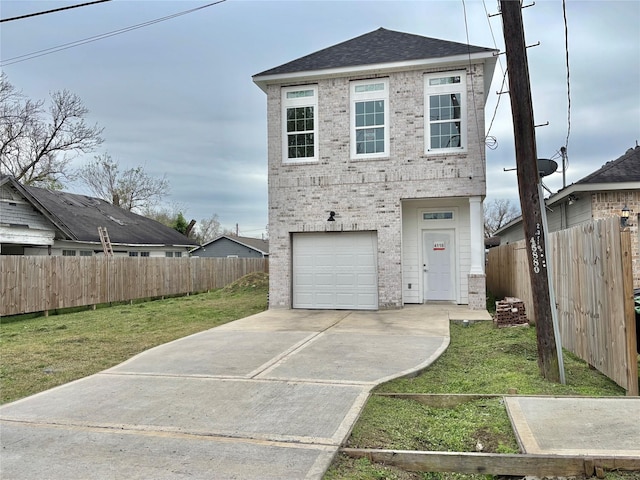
(624, 216)
(332, 217)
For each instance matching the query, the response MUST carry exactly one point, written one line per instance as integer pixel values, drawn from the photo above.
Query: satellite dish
(546, 166)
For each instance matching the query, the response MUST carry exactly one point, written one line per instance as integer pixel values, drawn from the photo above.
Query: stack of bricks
(510, 311)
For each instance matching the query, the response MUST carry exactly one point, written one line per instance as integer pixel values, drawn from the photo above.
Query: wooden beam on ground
(494, 463)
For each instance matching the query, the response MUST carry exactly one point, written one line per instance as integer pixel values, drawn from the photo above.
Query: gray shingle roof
(623, 169)
(379, 46)
(258, 244)
(79, 216)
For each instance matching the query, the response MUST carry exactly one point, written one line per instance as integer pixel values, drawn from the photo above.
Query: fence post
(629, 313)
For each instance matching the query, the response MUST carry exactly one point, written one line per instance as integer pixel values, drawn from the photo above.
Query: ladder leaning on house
(106, 242)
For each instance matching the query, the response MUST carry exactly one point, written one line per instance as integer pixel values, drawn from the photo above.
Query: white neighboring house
(607, 192)
(376, 173)
(38, 221)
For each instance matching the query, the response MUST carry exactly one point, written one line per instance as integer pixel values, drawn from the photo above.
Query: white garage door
(335, 270)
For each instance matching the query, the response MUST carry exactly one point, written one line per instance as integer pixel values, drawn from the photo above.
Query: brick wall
(366, 194)
(610, 204)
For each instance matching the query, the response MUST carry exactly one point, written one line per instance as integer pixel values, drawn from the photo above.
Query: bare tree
(207, 229)
(132, 189)
(164, 214)
(38, 144)
(497, 213)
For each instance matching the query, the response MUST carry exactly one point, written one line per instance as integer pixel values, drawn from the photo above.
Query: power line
(495, 110)
(29, 15)
(65, 46)
(490, 141)
(566, 49)
(473, 90)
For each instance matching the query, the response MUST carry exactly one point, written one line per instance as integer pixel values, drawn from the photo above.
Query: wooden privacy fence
(593, 282)
(42, 283)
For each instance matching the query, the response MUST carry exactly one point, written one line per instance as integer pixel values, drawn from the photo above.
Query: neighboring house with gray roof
(38, 221)
(230, 246)
(376, 173)
(601, 194)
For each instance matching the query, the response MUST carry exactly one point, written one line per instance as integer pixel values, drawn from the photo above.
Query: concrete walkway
(271, 396)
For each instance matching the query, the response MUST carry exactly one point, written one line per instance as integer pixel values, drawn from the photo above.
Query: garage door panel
(367, 299)
(324, 280)
(345, 280)
(324, 300)
(335, 270)
(367, 279)
(305, 260)
(304, 279)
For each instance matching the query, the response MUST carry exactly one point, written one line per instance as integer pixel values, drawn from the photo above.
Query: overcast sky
(177, 96)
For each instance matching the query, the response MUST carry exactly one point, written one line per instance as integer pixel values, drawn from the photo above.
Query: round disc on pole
(547, 166)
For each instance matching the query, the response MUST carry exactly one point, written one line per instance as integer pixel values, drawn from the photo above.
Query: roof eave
(573, 189)
(591, 187)
(488, 58)
(233, 239)
(57, 222)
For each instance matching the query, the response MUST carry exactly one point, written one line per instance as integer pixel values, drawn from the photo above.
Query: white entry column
(477, 237)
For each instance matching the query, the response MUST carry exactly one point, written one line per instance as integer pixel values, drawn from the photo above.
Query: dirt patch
(255, 280)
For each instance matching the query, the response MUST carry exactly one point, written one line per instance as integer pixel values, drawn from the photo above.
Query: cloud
(177, 96)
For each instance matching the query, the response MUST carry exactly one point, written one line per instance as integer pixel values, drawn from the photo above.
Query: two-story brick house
(376, 173)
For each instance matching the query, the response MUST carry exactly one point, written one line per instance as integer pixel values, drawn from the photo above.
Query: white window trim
(368, 96)
(294, 103)
(430, 90)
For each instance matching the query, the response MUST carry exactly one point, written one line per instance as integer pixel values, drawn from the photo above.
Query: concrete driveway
(271, 396)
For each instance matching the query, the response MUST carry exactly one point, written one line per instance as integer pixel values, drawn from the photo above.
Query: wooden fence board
(42, 283)
(593, 283)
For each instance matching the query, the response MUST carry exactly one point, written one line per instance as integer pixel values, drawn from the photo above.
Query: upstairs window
(445, 112)
(300, 124)
(370, 118)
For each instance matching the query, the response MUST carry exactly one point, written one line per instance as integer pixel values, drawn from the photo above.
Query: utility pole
(528, 179)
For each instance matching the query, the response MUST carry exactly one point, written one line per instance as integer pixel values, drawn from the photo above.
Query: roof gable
(623, 169)
(79, 216)
(257, 244)
(378, 46)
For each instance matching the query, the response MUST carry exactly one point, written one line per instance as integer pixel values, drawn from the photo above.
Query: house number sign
(438, 246)
(537, 252)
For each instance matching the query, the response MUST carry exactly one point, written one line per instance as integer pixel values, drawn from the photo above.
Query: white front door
(438, 264)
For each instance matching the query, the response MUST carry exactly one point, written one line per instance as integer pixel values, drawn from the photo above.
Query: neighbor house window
(133, 254)
(445, 112)
(68, 253)
(370, 118)
(144, 254)
(86, 253)
(300, 124)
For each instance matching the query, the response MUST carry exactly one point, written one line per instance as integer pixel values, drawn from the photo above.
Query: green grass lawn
(42, 352)
(481, 359)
